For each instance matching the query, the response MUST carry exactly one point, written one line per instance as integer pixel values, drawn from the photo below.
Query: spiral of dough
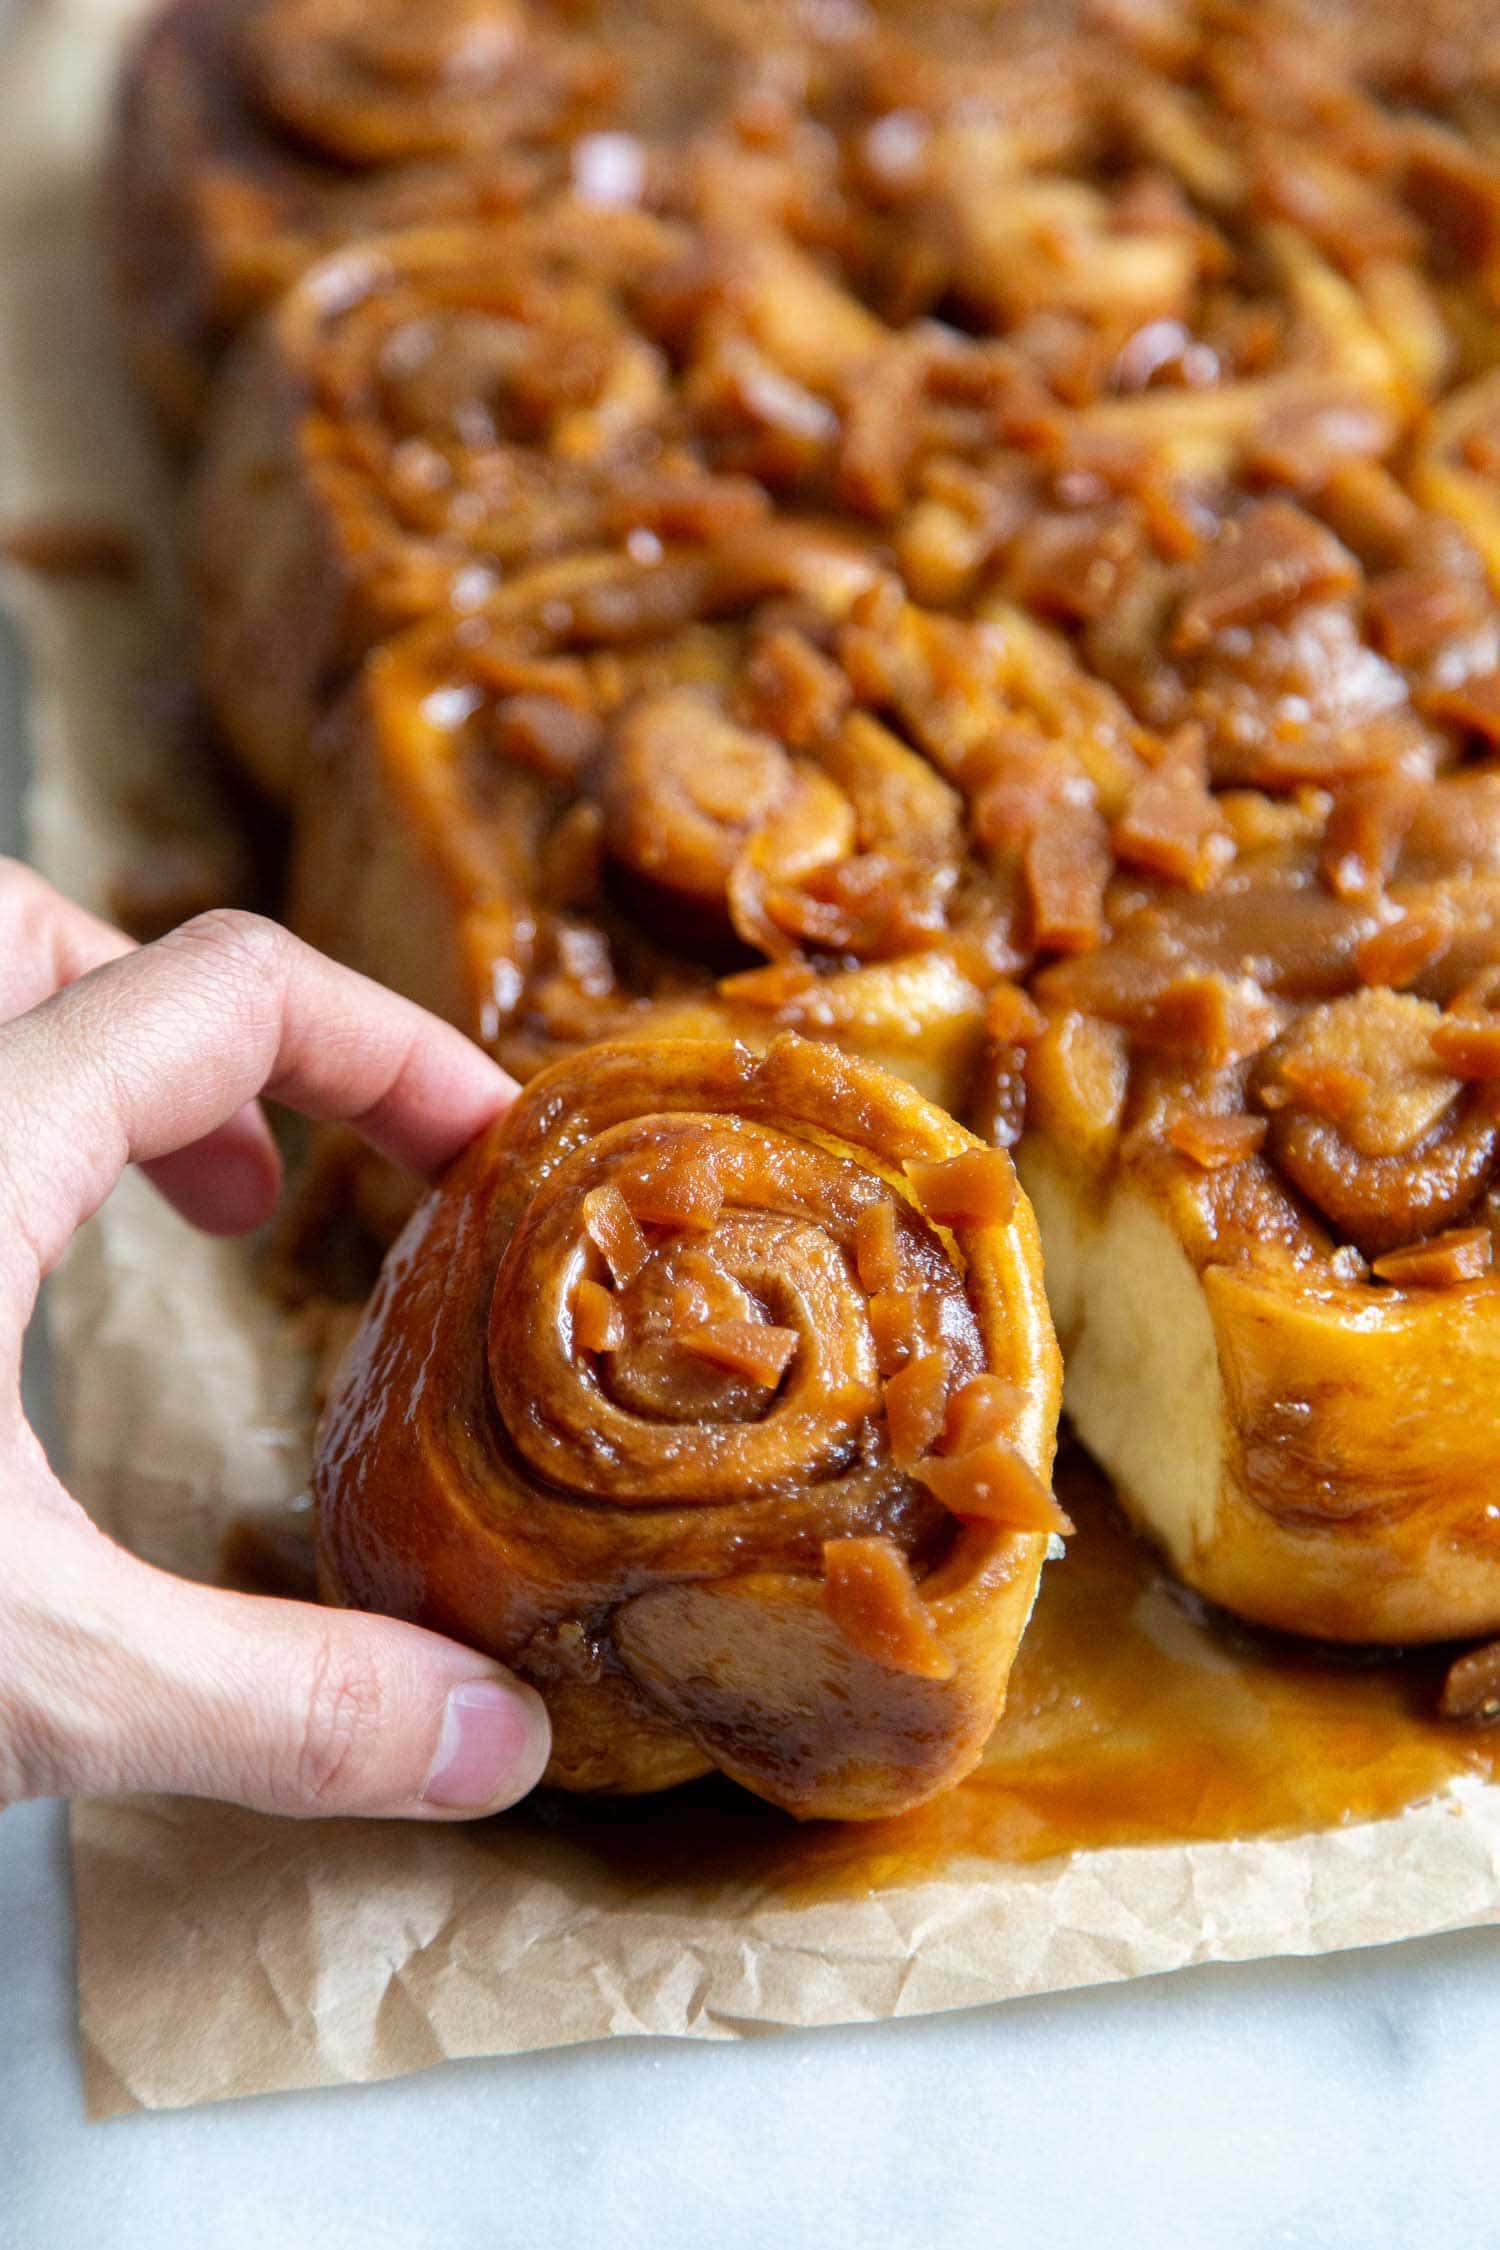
(715, 1393)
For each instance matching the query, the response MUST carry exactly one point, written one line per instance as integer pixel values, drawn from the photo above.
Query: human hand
(115, 1676)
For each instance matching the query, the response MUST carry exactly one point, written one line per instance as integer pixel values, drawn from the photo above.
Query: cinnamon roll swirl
(422, 418)
(255, 135)
(715, 1393)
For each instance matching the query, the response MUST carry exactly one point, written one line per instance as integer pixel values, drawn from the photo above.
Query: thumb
(117, 1678)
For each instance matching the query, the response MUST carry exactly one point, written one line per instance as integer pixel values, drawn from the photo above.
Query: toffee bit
(990, 1483)
(1068, 567)
(1208, 1018)
(1366, 828)
(895, 1328)
(794, 690)
(1068, 865)
(572, 858)
(1370, 512)
(1013, 799)
(1012, 1018)
(1471, 1692)
(881, 431)
(680, 1196)
(1299, 442)
(71, 550)
(554, 738)
(1396, 954)
(1442, 1262)
(977, 1188)
(612, 1229)
(1170, 518)
(1411, 613)
(1212, 1143)
(1468, 1047)
(1336, 1090)
(746, 1347)
(877, 1256)
(984, 1407)
(1172, 826)
(1453, 188)
(916, 1404)
(1275, 558)
(698, 1290)
(598, 1323)
(780, 984)
(871, 1597)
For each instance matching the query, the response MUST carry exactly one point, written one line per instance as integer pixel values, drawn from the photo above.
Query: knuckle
(345, 1707)
(243, 944)
(23, 1254)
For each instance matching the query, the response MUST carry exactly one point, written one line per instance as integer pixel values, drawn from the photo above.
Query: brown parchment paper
(223, 1952)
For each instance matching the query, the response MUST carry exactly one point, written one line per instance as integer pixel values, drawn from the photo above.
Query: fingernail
(494, 1744)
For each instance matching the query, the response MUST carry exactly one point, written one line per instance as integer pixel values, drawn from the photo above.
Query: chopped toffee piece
(991, 1483)
(613, 1231)
(745, 1347)
(916, 1406)
(870, 1595)
(976, 1189)
(598, 1323)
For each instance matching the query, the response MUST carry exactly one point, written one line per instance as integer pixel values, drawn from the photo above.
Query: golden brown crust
(702, 1554)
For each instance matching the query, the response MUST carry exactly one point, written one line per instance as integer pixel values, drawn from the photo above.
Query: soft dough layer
(716, 1393)
(1268, 1215)
(1308, 1457)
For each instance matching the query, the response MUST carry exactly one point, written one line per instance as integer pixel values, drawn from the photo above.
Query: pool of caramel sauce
(1137, 1715)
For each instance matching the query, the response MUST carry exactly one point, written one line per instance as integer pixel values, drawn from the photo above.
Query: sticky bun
(716, 1393)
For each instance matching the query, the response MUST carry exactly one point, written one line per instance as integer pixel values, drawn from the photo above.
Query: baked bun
(715, 1393)
(1264, 1146)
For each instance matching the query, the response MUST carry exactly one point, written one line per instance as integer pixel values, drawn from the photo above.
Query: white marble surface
(1341, 2102)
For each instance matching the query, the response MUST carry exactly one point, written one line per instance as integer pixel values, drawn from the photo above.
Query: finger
(227, 1182)
(149, 1054)
(231, 1179)
(45, 940)
(145, 1682)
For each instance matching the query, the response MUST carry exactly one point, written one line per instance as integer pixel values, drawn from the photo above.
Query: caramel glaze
(1137, 1715)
